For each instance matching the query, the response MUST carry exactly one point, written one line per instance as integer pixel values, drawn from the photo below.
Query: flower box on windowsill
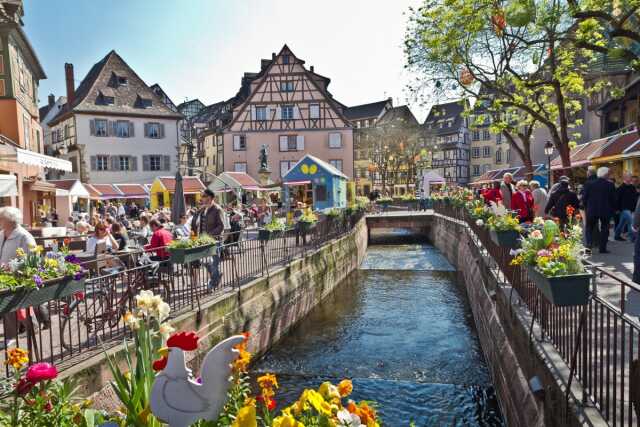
(562, 291)
(506, 239)
(188, 255)
(54, 289)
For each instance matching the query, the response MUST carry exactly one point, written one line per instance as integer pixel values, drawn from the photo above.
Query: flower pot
(505, 239)
(187, 255)
(562, 291)
(12, 300)
(266, 235)
(305, 227)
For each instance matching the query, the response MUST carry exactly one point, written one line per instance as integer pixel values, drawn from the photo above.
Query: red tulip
(41, 372)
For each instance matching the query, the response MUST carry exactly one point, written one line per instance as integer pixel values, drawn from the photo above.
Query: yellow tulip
(286, 421)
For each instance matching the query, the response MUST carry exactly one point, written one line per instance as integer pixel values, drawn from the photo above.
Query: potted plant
(307, 221)
(410, 201)
(384, 202)
(504, 227)
(553, 259)
(185, 251)
(34, 278)
(276, 226)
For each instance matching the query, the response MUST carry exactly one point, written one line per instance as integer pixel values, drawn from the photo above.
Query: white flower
(166, 330)
(144, 300)
(515, 252)
(14, 265)
(163, 311)
(536, 234)
(347, 419)
(538, 220)
(131, 320)
(479, 223)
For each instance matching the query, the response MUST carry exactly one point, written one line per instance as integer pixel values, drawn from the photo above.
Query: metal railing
(605, 359)
(83, 324)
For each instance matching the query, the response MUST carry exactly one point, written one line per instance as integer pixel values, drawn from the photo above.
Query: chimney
(311, 68)
(68, 75)
(52, 100)
(273, 56)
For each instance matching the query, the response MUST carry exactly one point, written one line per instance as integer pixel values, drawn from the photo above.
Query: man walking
(209, 220)
(599, 199)
(627, 198)
(506, 190)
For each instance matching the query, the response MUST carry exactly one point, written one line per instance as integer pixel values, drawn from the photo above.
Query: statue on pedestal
(264, 163)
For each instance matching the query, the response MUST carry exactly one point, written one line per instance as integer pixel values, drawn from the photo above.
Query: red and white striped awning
(297, 182)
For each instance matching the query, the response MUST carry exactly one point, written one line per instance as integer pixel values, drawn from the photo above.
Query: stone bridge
(413, 224)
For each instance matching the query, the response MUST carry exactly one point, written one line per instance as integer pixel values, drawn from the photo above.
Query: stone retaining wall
(266, 307)
(503, 331)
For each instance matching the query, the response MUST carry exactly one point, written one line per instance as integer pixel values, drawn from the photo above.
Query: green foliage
(192, 242)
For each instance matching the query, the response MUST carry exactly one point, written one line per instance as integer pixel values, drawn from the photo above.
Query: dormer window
(105, 99)
(143, 102)
(285, 59)
(122, 81)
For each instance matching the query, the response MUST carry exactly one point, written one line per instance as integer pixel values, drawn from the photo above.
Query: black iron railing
(603, 351)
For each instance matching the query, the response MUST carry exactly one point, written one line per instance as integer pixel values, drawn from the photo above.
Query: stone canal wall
(266, 307)
(503, 331)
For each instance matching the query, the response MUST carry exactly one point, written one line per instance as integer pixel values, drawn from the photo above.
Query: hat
(207, 192)
(564, 178)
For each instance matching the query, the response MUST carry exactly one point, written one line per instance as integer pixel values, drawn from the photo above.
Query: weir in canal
(400, 327)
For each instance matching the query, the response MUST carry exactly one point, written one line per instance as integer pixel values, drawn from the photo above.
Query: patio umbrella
(177, 202)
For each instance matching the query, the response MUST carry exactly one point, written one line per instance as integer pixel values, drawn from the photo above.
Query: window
(154, 130)
(102, 163)
(335, 140)
(475, 152)
(240, 167)
(476, 170)
(508, 155)
(291, 143)
(105, 100)
(122, 81)
(143, 103)
(499, 138)
(287, 112)
(486, 135)
(486, 152)
(155, 163)
(498, 156)
(336, 163)
(261, 113)
(321, 193)
(475, 135)
(486, 168)
(124, 163)
(239, 142)
(286, 86)
(100, 127)
(285, 59)
(285, 166)
(122, 129)
(314, 111)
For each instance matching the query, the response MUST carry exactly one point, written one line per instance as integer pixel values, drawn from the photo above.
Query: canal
(401, 329)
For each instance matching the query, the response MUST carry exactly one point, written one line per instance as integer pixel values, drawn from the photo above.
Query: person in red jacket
(493, 194)
(522, 202)
(159, 241)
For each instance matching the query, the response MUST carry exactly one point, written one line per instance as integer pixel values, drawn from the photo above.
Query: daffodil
(166, 330)
(286, 421)
(329, 391)
(246, 417)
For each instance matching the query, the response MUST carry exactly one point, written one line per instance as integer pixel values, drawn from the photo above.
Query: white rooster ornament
(176, 397)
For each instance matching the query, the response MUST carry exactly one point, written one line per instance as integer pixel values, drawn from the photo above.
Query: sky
(201, 48)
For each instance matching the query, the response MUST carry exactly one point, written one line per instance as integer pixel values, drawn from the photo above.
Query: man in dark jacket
(599, 199)
(636, 252)
(627, 197)
(208, 220)
(560, 200)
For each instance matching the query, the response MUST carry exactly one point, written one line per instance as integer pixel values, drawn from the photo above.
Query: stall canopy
(234, 181)
(581, 155)
(428, 178)
(105, 192)
(190, 184)
(70, 187)
(8, 186)
(518, 172)
(132, 191)
(328, 183)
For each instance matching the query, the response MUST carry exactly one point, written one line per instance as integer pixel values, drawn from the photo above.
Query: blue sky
(200, 48)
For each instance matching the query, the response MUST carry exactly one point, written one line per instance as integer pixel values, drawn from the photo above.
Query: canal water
(402, 330)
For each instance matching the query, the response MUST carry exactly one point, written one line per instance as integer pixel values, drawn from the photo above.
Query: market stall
(316, 183)
(163, 187)
(71, 196)
(235, 185)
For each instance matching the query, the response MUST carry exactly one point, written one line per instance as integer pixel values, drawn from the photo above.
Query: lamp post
(548, 150)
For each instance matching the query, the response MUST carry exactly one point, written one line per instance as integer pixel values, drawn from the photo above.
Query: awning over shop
(190, 184)
(73, 187)
(617, 148)
(234, 181)
(36, 159)
(297, 182)
(582, 155)
(518, 172)
(41, 186)
(8, 186)
(132, 191)
(107, 191)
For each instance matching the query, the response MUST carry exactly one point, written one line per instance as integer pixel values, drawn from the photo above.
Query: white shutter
(300, 143)
(284, 145)
(284, 168)
(296, 112)
(278, 113)
(236, 142)
(253, 112)
(268, 112)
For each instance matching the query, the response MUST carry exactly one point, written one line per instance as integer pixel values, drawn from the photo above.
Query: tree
(520, 51)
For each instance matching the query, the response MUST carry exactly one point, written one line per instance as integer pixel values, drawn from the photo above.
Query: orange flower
(570, 211)
(345, 387)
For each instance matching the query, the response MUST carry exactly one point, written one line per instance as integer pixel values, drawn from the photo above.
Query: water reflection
(406, 337)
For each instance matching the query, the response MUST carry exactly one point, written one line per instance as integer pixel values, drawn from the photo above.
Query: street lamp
(548, 151)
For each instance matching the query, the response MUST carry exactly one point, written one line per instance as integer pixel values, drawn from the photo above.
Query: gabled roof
(133, 191)
(228, 181)
(399, 113)
(367, 111)
(190, 184)
(321, 163)
(450, 110)
(101, 80)
(157, 89)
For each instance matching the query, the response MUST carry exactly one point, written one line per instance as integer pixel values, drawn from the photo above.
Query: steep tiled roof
(365, 111)
(619, 144)
(401, 112)
(451, 110)
(102, 81)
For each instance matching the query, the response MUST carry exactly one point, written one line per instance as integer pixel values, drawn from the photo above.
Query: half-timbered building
(289, 109)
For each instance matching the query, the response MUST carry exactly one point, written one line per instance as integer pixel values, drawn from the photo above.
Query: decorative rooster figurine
(176, 397)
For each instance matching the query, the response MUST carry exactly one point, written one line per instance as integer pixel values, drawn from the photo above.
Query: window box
(506, 239)
(12, 300)
(562, 291)
(189, 255)
(265, 235)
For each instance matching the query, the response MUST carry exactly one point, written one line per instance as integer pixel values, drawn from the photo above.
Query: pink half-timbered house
(288, 108)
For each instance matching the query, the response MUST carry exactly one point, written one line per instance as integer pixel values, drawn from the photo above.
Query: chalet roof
(450, 110)
(102, 79)
(190, 184)
(366, 111)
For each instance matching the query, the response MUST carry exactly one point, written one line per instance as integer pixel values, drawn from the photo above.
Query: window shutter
(94, 161)
(115, 164)
(300, 142)
(131, 130)
(268, 112)
(236, 142)
(133, 163)
(284, 143)
(146, 130)
(111, 128)
(278, 113)
(161, 130)
(296, 112)
(167, 162)
(92, 127)
(146, 162)
(253, 112)
(284, 168)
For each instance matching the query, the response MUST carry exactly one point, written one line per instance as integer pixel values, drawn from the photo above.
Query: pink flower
(41, 372)
(543, 252)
